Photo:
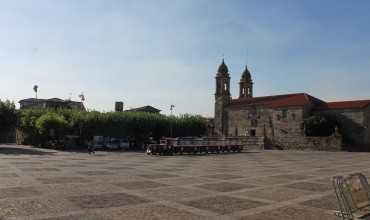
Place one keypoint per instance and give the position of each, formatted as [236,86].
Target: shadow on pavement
[8,150]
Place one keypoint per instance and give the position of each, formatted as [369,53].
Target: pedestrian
[90,149]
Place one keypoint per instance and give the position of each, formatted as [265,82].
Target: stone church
[281,117]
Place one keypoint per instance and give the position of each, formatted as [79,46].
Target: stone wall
[220,119]
[264,122]
[288,123]
[254,143]
[367,126]
[331,143]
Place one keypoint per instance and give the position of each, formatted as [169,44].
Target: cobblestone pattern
[40,184]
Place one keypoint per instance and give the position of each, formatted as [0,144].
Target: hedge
[37,124]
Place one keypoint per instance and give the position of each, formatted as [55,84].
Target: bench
[353,194]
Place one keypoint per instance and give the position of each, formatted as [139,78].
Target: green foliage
[51,124]
[137,126]
[8,116]
[320,125]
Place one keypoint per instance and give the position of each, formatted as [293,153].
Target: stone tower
[223,98]
[246,84]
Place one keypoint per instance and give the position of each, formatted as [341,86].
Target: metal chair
[353,194]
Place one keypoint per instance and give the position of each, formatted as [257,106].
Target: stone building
[279,118]
[50,103]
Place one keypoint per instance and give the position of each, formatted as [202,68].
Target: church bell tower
[222,99]
[246,84]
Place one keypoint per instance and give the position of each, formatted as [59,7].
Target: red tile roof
[278,101]
[348,104]
[297,99]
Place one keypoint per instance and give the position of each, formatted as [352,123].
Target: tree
[320,125]
[51,125]
[8,116]
[35,89]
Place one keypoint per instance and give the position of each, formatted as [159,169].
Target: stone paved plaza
[267,185]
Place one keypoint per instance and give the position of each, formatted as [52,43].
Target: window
[285,113]
[293,116]
[236,131]
[278,117]
[253,132]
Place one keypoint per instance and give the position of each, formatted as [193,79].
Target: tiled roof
[348,104]
[278,101]
[145,108]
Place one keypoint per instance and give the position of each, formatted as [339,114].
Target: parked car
[124,144]
[97,143]
[117,144]
[113,144]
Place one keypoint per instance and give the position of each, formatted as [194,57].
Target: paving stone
[173,193]
[292,176]
[178,187]
[291,213]
[152,212]
[71,189]
[70,165]
[43,169]
[8,175]
[224,186]
[18,192]
[310,186]
[224,204]
[327,202]
[96,173]
[278,194]
[85,216]
[135,185]
[118,168]
[183,180]
[106,200]
[26,163]
[224,176]
[63,180]
[27,207]
[158,175]
[264,181]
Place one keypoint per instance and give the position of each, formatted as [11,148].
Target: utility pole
[171,126]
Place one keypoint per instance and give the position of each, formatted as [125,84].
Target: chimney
[118,107]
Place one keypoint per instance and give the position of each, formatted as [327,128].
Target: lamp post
[171,126]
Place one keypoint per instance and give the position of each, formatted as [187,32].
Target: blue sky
[163,52]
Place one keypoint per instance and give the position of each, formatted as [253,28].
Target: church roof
[246,75]
[222,69]
[348,104]
[278,101]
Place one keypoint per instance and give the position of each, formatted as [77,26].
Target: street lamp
[172,106]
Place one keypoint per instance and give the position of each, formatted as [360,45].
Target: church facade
[279,117]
